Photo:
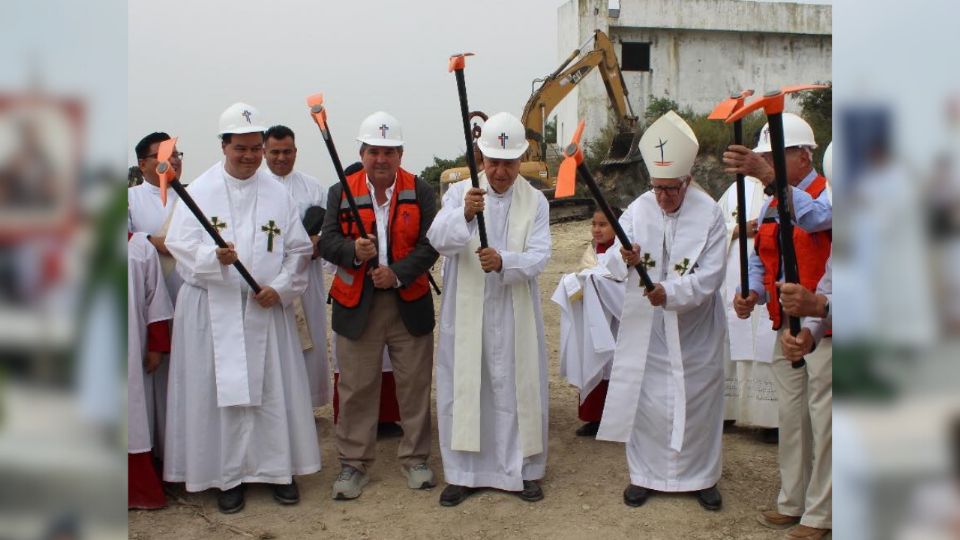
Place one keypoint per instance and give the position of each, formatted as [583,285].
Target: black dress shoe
[453,494]
[710,498]
[231,500]
[286,493]
[588,430]
[635,495]
[770,435]
[389,430]
[532,492]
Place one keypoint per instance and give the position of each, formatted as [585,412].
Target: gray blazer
[418,316]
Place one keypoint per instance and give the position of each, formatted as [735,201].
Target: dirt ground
[583,485]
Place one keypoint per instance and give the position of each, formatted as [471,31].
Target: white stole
[240,334]
[468,344]
[636,323]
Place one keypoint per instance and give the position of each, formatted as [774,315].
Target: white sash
[240,334]
[636,323]
[468,345]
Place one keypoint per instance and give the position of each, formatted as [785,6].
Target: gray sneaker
[349,483]
[419,476]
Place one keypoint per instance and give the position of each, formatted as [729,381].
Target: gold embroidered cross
[271,229]
[217,224]
[648,262]
[682,266]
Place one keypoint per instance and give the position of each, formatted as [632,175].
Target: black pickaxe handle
[165,172]
[456,65]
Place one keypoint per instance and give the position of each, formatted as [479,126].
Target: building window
[635,57]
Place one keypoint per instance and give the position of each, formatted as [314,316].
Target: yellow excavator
[622,161]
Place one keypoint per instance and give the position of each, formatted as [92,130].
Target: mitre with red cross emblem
[669,147]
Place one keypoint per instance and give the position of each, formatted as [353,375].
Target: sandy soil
[583,486]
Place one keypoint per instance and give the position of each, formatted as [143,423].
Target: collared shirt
[811,215]
[819,326]
[382,212]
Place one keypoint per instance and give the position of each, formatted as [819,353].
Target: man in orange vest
[805,395]
[381,297]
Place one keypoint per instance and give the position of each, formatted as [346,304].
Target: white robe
[306,192]
[750,396]
[500,462]
[590,305]
[147,303]
[665,398]
[239,405]
[146,214]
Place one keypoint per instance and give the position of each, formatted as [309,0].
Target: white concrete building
[695,52]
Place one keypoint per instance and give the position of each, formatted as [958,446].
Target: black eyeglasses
[176,155]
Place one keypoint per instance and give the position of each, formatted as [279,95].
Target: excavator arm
[561,82]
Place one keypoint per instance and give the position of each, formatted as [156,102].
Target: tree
[431,173]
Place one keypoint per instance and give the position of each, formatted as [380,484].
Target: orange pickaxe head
[319,114]
[164,168]
[458,61]
[567,175]
[772,102]
[729,106]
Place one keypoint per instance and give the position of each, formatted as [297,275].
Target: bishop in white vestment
[666,388]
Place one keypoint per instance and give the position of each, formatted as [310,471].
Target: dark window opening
[636,57]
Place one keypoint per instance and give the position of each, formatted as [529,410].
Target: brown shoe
[775,520]
[802,532]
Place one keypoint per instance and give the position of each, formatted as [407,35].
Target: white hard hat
[796,132]
[240,118]
[828,162]
[503,137]
[381,129]
[669,147]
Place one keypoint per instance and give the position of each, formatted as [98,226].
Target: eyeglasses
[671,190]
[175,155]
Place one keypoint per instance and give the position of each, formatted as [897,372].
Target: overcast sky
[189,60]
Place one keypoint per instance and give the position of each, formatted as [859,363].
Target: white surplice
[750,396]
[239,404]
[306,192]
[665,398]
[590,305]
[477,400]
[146,214]
[147,302]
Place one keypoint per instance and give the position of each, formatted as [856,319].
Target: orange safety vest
[813,250]
[347,286]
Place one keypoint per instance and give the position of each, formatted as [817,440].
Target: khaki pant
[361,364]
[806,440]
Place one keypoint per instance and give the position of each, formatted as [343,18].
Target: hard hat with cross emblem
[240,118]
[503,137]
[381,129]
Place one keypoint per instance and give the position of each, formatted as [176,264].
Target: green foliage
[659,106]
[817,110]
[431,173]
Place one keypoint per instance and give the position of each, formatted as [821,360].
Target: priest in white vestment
[239,406]
[750,396]
[492,361]
[280,152]
[147,214]
[665,398]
